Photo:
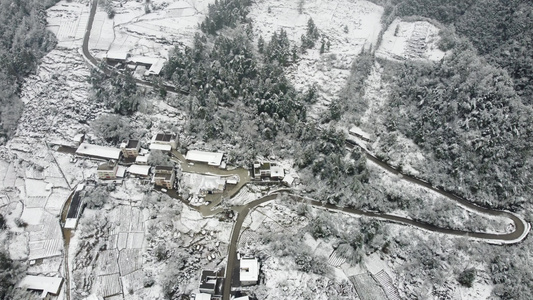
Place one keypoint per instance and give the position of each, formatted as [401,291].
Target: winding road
[521,227]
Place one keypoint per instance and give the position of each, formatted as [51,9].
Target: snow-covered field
[347,25]
[147,30]
[410,40]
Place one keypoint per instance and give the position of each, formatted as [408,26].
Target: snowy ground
[68,21]
[410,40]
[348,25]
[147,30]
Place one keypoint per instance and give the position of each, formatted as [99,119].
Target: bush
[97,197]
[467,277]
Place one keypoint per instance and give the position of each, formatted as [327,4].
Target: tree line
[24,40]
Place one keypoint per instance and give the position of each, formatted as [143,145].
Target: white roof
[42,283]
[288,179]
[98,151]
[242,298]
[202,296]
[121,171]
[119,55]
[211,158]
[143,59]
[249,269]
[139,169]
[160,147]
[276,171]
[142,159]
[358,131]
[157,67]
[71,223]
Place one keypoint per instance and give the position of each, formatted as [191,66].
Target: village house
[116,57]
[268,170]
[164,176]
[210,283]
[210,158]
[142,159]
[130,148]
[141,171]
[98,152]
[107,170]
[48,285]
[249,271]
[164,142]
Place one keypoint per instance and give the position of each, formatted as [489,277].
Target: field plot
[367,288]
[347,25]
[68,21]
[410,40]
[150,34]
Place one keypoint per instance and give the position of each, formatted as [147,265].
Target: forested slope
[23,40]
[501,30]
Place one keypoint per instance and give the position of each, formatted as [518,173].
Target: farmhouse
[249,271]
[139,170]
[210,283]
[142,159]
[98,152]
[107,170]
[211,158]
[268,169]
[49,285]
[358,132]
[130,148]
[114,57]
[163,142]
[202,296]
[164,176]
[156,67]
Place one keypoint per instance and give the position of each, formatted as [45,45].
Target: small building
[163,142]
[268,169]
[48,285]
[211,283]
[130,148]
[164,176]
[202,296]
[242,298]
[249,271]
[99,152]
[107,170]
[141,171]
[288,180]
[142,159]
[211,158]
[114,57]
[156,67]
[78,139]
[358,132]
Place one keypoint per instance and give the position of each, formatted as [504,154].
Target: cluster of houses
[211,282]
[140,65]
[135,160]
[271,171]
[131,154]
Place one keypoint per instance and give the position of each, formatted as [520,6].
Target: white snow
[410,40]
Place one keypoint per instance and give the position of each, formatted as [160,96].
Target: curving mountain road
[521,227]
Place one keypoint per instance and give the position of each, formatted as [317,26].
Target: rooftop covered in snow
[50,285]
[211,158]
[98,151]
